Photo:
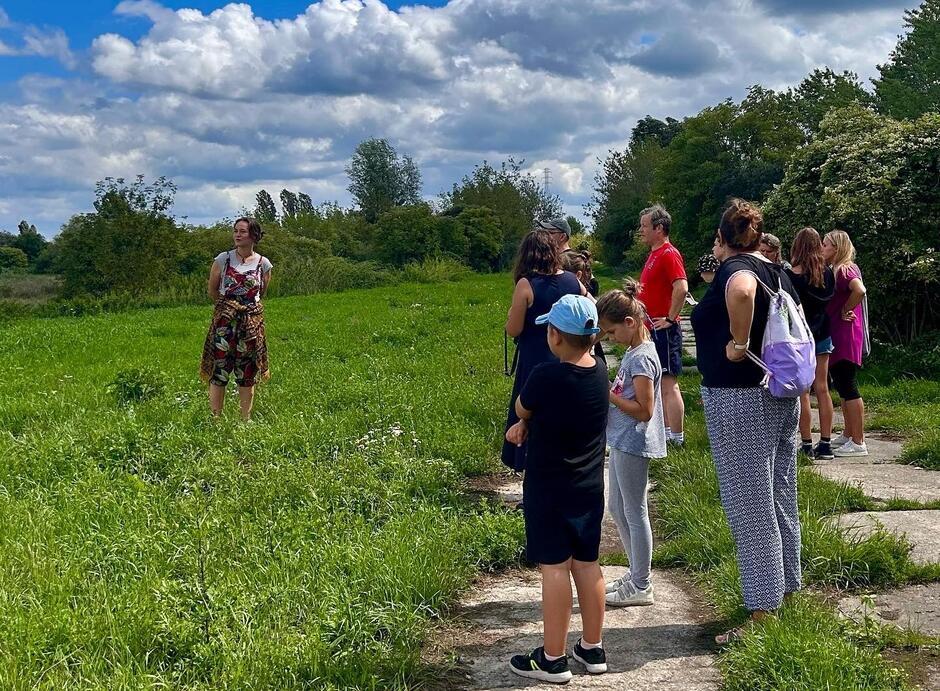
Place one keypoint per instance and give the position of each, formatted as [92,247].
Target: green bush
[13,258]
[136,385]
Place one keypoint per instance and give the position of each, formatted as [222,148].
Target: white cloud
[228,102]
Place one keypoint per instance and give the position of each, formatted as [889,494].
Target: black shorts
[669,348]
[844,380]
[555,533]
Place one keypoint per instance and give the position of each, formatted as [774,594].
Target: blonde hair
[616,305]
[844,257]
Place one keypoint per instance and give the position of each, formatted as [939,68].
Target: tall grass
[807,648]
[144,545]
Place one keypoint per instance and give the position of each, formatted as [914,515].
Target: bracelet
[671,321]
[740,346]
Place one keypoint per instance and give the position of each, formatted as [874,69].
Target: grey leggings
[629,476]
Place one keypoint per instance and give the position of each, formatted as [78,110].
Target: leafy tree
[909,84]
[622,188]
[129,243]
[484,236]
[289,204]
[824,90]
[406,234]
[877,179]
[651,129]
[577,228]
[304,204]
[379,179]
[29,240]
[265,211]
[514,197]
[6,239]
[13,258]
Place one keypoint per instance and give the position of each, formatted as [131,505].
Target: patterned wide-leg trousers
[754,443]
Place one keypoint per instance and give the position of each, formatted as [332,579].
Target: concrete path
[919,527]
[665,646]
[915,607]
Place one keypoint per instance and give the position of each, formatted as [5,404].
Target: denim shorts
[824,347]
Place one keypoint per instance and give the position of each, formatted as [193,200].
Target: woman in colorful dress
[235,346]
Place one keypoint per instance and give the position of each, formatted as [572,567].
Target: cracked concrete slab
[919,527]
[913,607]
[884,480]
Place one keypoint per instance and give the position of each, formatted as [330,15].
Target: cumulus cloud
[229,101]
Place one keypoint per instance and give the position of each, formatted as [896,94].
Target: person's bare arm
[215,277]
[519,432]
[522,297]
[265,282]
[856,295]
[739,299]
[679,289]
[640,408]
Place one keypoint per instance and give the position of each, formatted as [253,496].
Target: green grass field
[143,545]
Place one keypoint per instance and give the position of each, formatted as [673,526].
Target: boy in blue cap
[562,412]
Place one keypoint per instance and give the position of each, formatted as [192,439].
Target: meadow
[144,545]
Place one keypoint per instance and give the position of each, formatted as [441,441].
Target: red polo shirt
[663,268]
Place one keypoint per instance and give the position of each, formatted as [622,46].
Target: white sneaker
[615,584]
[628,595]
[850,448]
[839,441]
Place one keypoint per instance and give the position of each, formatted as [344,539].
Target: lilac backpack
[788,351]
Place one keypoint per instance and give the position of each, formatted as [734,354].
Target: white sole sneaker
[597,668]
[850,450]
[615,584]
[638,598]
[542,675]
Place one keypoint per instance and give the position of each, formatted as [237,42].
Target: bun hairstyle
[742,225]
[254,228]
[616,305]
[573,261]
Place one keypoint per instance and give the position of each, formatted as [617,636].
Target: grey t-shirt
[625,433]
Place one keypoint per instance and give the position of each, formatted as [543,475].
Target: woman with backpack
[848,329]
[752,433]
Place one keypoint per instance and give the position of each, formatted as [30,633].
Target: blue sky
[227,99]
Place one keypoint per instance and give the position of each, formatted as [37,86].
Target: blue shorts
[669,348]
[824,347]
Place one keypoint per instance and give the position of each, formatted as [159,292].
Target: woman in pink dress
[847,329]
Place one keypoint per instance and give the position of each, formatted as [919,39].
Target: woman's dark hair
[537,254]
[573,261]
[741,225]
[254,228]
[806,253]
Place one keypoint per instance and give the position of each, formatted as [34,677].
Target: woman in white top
[235,346]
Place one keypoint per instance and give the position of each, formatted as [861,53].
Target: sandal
[731,635]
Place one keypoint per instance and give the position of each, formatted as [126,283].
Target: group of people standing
[564,413]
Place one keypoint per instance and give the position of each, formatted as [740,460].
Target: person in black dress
[540,282]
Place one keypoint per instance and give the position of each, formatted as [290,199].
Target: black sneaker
[823,451]
[535,666]
[593,658]
[806,448]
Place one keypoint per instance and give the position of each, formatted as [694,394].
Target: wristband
[671,321]
[740,346]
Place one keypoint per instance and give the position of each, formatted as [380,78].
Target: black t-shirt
[712,326]
[814,300]
[567,432]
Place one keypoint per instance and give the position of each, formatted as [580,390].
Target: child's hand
[518,433]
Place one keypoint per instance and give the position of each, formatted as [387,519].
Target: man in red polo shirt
[663,287]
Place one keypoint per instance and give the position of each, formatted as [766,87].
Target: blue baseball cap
[573,314]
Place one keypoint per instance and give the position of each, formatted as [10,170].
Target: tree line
[827,153]
[132,243]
